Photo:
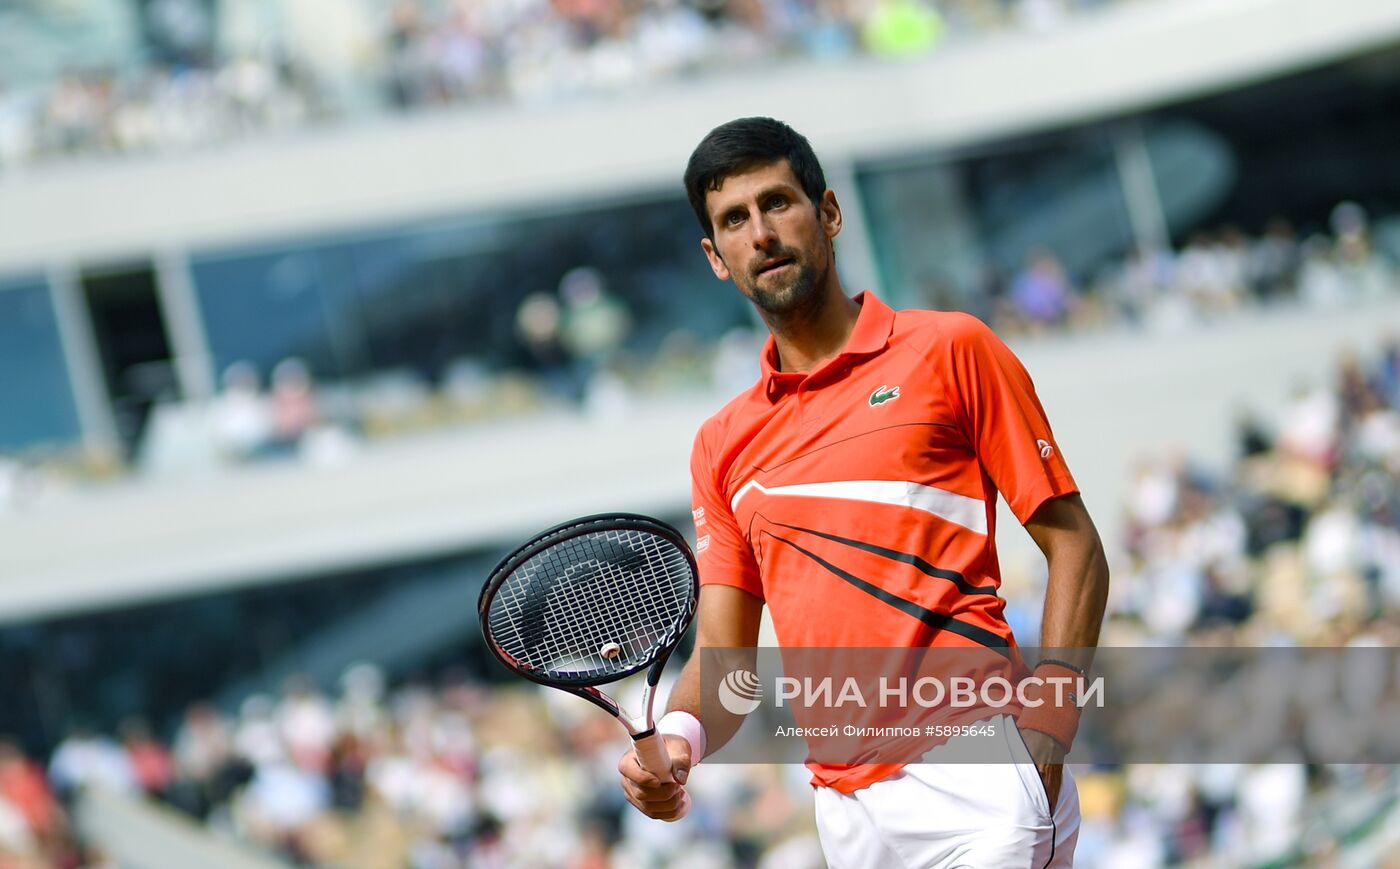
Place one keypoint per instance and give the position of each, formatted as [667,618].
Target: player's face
[771,238]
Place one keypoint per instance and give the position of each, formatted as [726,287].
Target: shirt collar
[871,334]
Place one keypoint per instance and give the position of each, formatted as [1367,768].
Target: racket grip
[651,752]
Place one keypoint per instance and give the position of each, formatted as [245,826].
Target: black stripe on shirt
[937,621]
[895,555]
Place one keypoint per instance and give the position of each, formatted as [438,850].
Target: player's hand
[664,801]
[1047,755]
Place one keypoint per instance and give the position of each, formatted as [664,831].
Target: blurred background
[310,309]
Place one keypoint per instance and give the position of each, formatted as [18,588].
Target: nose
[762,233]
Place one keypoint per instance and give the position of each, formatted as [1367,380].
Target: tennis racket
[590,602]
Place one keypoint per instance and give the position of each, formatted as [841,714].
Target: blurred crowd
[1215,272]
[248,67]
[35,832]
[1298,542]
[450,776]
[463,774]
[1300,538]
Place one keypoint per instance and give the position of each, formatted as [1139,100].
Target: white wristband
[680,723]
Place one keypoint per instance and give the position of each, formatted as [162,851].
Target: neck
[809,337]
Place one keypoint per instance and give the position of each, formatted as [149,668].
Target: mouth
[774,265]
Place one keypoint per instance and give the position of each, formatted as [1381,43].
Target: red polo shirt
[858,500]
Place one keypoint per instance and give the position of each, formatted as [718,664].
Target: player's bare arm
[1075,596]
[728,617]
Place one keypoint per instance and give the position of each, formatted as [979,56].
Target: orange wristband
[1052,708]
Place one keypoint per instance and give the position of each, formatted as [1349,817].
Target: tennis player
[852,490]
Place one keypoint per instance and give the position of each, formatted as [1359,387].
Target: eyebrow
[780,187]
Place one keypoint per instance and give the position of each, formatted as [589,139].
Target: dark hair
[741,145]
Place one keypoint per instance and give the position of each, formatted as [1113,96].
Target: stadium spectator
[1041,296]
[152,765]
[293,403]
[594,324]
[306,724]
[241,414]
[902,28]
[1142,282]
[538,326]
[25,792]
[1210,272]
[208,768]
[1273,262]
[87,759]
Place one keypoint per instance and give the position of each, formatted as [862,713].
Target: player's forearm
[1076,595]
[725,636]
[719,724]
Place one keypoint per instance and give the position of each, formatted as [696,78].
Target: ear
[716,261]
[829,210]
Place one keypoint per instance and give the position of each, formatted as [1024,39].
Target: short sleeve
[1004,419]
[722,553]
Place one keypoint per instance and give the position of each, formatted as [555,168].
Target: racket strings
[616,609]
[592,600]
[598,603]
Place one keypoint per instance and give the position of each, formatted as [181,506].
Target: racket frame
[651,751]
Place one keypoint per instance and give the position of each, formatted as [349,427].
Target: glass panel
[926,244]
[951,232]
[264,307]
[36,399]
[1063,194]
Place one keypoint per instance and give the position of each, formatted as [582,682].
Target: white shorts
[940,815]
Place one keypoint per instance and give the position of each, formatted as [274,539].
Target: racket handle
[651,752]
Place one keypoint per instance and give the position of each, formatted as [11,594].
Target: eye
[777,200]
[733,218]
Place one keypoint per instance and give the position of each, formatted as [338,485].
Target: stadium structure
[394,262]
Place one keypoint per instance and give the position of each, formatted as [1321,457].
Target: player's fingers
[680,811]
[679,750]
[665,803]
[647,794]
[653,796]
[632,770]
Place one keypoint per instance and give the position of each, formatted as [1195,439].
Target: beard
[785,294]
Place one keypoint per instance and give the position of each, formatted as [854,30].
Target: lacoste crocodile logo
[883,394]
